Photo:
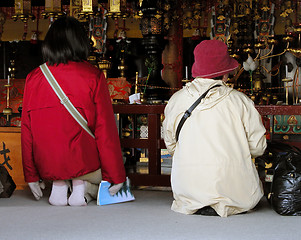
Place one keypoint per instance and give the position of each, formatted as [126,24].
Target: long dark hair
[66,40]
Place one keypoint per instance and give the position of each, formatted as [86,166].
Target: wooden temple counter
[154,143]
[10,139]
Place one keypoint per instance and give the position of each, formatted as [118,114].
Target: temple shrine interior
[145,49]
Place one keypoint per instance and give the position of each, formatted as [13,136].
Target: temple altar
[140,131]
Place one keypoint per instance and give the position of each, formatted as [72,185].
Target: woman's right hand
[115,188]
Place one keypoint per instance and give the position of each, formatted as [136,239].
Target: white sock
[77,197]
[58,196]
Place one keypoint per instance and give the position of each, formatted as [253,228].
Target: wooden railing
[154,143]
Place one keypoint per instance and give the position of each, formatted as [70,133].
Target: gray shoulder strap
[64,99]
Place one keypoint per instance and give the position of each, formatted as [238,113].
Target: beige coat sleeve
[168,130]
[173,113]
[255,131]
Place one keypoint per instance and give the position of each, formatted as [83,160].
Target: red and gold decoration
[99,33]
[287,124]
[119,88]
[220,21]
[264,21]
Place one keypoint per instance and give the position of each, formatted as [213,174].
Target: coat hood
[199,85]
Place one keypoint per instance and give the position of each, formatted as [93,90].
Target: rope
[241,90]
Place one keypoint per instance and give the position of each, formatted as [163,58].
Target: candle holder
[184,81]
[286,81]
[143,98]
[105,66]
[7,111]
[136,82]
[122,68]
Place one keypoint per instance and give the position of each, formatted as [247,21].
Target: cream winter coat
[212,161]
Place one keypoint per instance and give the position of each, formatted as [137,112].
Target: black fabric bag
[7,185]
[284,190]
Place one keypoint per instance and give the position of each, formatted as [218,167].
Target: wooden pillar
[172,56]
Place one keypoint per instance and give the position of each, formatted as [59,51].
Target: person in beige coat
[212,169]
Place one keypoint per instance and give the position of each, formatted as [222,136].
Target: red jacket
[54,145]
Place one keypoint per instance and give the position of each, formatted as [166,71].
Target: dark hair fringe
[66,40]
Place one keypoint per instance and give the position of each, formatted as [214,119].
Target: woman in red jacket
[54,146]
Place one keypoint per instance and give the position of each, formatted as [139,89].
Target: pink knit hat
[211,59]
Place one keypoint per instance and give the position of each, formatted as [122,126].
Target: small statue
[122,45]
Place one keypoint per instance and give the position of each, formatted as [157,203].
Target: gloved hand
[36,189]
[115,188]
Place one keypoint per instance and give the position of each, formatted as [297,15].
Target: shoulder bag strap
[188,112]
[64,99]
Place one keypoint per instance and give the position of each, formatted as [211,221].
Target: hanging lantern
[83,9]
[117,8]
[22,10]
[53,9]
[114,6]
[52,6]
[87,9]
[22,7]
[75,8]
[87,6]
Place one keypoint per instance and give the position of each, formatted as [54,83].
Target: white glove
[36,189]
[115,188]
